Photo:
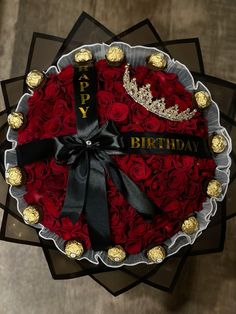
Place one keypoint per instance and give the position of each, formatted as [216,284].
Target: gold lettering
[167,143]
[188,146]
[195,146]
[135,142]
[84,112]
[83,85]
[151,142]
[160,143]
[83,68]
[83,77]
[84,98]
[143,142]
[179,144]
[170,143]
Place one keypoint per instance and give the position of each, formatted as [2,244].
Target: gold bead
[74,249]
[214,188]
[218,143]
[115,55]
[203,99]
[157,61]
[116,254]
[16,120]
[31,215]
[14,176]
[83,55]
[157,254]
[190,225]
[34,79]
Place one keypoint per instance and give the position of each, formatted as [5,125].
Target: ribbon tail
[135,197]
[75,198]
[96,210]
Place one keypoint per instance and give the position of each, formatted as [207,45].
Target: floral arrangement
[175,182]
[159,151]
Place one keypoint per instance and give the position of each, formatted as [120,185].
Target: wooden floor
[208,283]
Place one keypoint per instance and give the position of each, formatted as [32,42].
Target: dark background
[208,283]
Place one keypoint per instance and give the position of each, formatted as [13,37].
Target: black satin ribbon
[165,143]
[85,125]
[89,160]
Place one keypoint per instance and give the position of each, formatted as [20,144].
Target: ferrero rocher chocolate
[16,120]
[115,56]
[83,55]
[218,143]
[202,99]
[14,176]
[157,61]
[73,249]
[157,254]
[214,188]
[190,225]
[116,254]
[34,79]
[31,215]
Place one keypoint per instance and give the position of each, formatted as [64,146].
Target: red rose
[133,246]
[139,113]
[156,185]
[141,73]
[53,127]
[35,98]
[138,229]
[52,90]
[104,99]
[138,169]
[118,112]
[154,124]
[65,77]
[177,180]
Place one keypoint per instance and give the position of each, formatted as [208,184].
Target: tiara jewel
[143,96]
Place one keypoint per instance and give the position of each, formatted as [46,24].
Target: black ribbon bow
[89,160]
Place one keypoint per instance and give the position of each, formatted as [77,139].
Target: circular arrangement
[142,91]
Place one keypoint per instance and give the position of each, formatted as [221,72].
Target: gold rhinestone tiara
[144,97]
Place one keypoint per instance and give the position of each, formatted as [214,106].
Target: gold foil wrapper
[116,254]
[157,61]
[83,55]
[15,120]
[203,99]
[214,188]
[157,254]
[218,143]
[31,215]
[190,225]
[115,55]
[14,176]
[74,249]
[34,79]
